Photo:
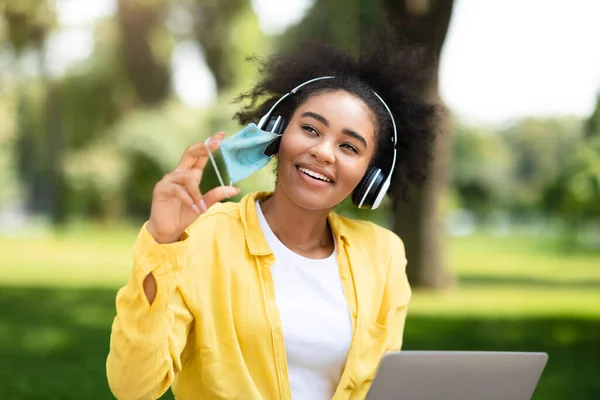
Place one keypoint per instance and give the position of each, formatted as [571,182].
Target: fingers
[190,180]
[180,193]
[183,186]
[196,155]
[220,193]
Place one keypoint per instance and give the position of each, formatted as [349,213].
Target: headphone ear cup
[368,188]
[276,125]
[273,147]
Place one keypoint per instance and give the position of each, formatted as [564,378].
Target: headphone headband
[265,117]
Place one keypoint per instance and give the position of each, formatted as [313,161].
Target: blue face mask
[244,153]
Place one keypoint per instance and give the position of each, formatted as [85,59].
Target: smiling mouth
[314,175]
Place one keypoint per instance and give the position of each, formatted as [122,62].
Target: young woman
[277,296]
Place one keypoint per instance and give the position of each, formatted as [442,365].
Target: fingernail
[202,205]
[196,209]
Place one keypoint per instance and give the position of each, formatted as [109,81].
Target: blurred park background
[99,98]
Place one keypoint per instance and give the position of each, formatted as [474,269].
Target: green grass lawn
[514,294]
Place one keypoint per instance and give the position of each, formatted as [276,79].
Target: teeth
[314,174]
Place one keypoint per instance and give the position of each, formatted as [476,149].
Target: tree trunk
[149,76]
[56,146]
[211,30]
[418,223]
[29,160]
[49,197]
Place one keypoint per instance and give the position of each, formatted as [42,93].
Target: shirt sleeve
[399,288]
[147,340]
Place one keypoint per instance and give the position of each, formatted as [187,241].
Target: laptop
[457,375]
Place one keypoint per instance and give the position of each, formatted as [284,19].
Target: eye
[350,147]
[310,129]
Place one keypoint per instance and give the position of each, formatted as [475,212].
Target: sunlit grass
[80,257]
[522,257]
[497,275]
[512,301]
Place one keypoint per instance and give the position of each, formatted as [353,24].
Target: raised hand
[176,199]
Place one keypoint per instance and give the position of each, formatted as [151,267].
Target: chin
[311,199]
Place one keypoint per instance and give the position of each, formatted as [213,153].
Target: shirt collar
[257,243]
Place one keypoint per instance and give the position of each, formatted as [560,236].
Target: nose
[323,152]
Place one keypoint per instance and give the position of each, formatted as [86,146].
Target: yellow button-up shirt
[213,330]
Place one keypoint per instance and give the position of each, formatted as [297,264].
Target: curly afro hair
[396,73]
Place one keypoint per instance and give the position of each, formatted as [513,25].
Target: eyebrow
[345,131]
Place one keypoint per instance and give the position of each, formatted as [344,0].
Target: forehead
[342,110]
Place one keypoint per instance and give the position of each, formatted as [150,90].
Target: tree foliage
[574,194]
[26,23]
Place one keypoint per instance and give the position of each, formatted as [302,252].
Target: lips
[316,173]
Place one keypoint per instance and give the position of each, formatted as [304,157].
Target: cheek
[352,172]
[291,145]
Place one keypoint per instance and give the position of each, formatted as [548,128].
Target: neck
[303,231]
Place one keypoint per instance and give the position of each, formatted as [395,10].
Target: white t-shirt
[317,328]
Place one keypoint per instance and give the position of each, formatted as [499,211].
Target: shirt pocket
[374,337]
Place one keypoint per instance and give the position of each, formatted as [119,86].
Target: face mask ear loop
[214,163]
